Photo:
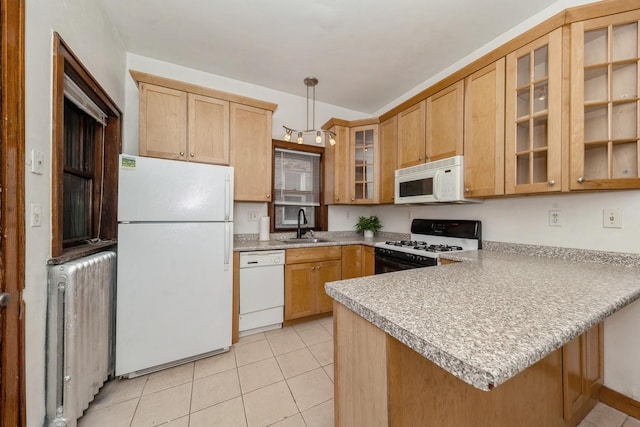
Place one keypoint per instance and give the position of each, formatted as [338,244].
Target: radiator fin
[79,334]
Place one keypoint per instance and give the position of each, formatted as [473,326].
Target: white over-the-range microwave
[441,181]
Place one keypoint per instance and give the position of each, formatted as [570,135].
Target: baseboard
[620,402]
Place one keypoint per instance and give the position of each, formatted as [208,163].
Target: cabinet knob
[552,182]
[581,180]
[420,158]
[191,154]
[182,153]
[268,196]
[466,190]
[352,199]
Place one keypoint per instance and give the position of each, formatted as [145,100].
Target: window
[296,185]
[86,142]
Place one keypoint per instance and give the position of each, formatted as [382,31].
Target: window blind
[296,178]
[76,95]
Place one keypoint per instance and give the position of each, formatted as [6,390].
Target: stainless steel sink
[305,240]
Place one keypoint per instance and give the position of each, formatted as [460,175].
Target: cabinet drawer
[295,256]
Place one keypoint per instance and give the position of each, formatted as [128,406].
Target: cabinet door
[411,135]
[327,271]
[484,132]
[163,122]
[337,189]
[251,153]
[388,159]
[208,129]
[445,122]
[572,380]
[605,102]
[351,261]
[299,290]
[594,361]
[533,116]
[368,261]
[364,164]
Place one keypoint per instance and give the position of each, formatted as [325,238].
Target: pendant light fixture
[311,83]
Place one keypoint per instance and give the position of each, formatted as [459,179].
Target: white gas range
[429,239]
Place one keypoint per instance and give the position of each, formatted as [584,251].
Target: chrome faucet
[299,232]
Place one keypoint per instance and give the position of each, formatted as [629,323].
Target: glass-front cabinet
[533,116]
[605,102]
[364,169]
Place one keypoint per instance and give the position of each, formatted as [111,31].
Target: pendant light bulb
[332,141]
[300,140]
[287,135]
[318,138]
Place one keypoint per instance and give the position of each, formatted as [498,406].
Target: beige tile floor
[281,378]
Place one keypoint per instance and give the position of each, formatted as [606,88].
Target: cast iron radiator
[80,327]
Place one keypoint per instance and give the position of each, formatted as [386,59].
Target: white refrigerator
[174,280]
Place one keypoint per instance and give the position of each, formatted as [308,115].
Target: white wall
[90,35]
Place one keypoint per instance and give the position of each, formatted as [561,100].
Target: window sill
[83,250]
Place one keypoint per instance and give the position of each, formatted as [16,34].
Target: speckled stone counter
[494,314]
[250,242]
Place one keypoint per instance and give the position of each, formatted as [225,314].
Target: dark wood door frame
[12,223]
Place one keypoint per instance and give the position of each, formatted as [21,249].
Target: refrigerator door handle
[227,197]
[228,236]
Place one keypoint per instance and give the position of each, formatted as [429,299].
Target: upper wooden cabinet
[178,125]
[412,135]
[445,123]
[336,168]
[183,121]
[251,154]
[533,116]
[388,159]
[484,131]
[162,122]
[364,164]
[208,129]
[352,165]
[605,102]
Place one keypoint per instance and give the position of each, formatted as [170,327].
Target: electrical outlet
[555,218]
[253,216]
[612,218]
[37,162]
[36,215]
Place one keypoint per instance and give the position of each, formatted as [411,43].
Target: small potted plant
[368,225]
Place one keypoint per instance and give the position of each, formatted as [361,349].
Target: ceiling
[365,53]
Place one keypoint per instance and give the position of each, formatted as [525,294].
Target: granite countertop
[494,314]
[250,242]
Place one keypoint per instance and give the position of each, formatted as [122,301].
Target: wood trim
[620,402]
[65,62]
[141,77]
[350,123]
[12,222]
[599,9]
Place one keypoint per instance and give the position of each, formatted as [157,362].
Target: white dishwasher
[261,291]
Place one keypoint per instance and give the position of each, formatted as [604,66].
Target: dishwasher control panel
[261,258]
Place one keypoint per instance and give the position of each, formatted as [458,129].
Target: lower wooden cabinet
[305,273]
[582,376]
[351,261]
[368,261]
[382,382]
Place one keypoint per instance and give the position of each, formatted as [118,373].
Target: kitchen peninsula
[499,339]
